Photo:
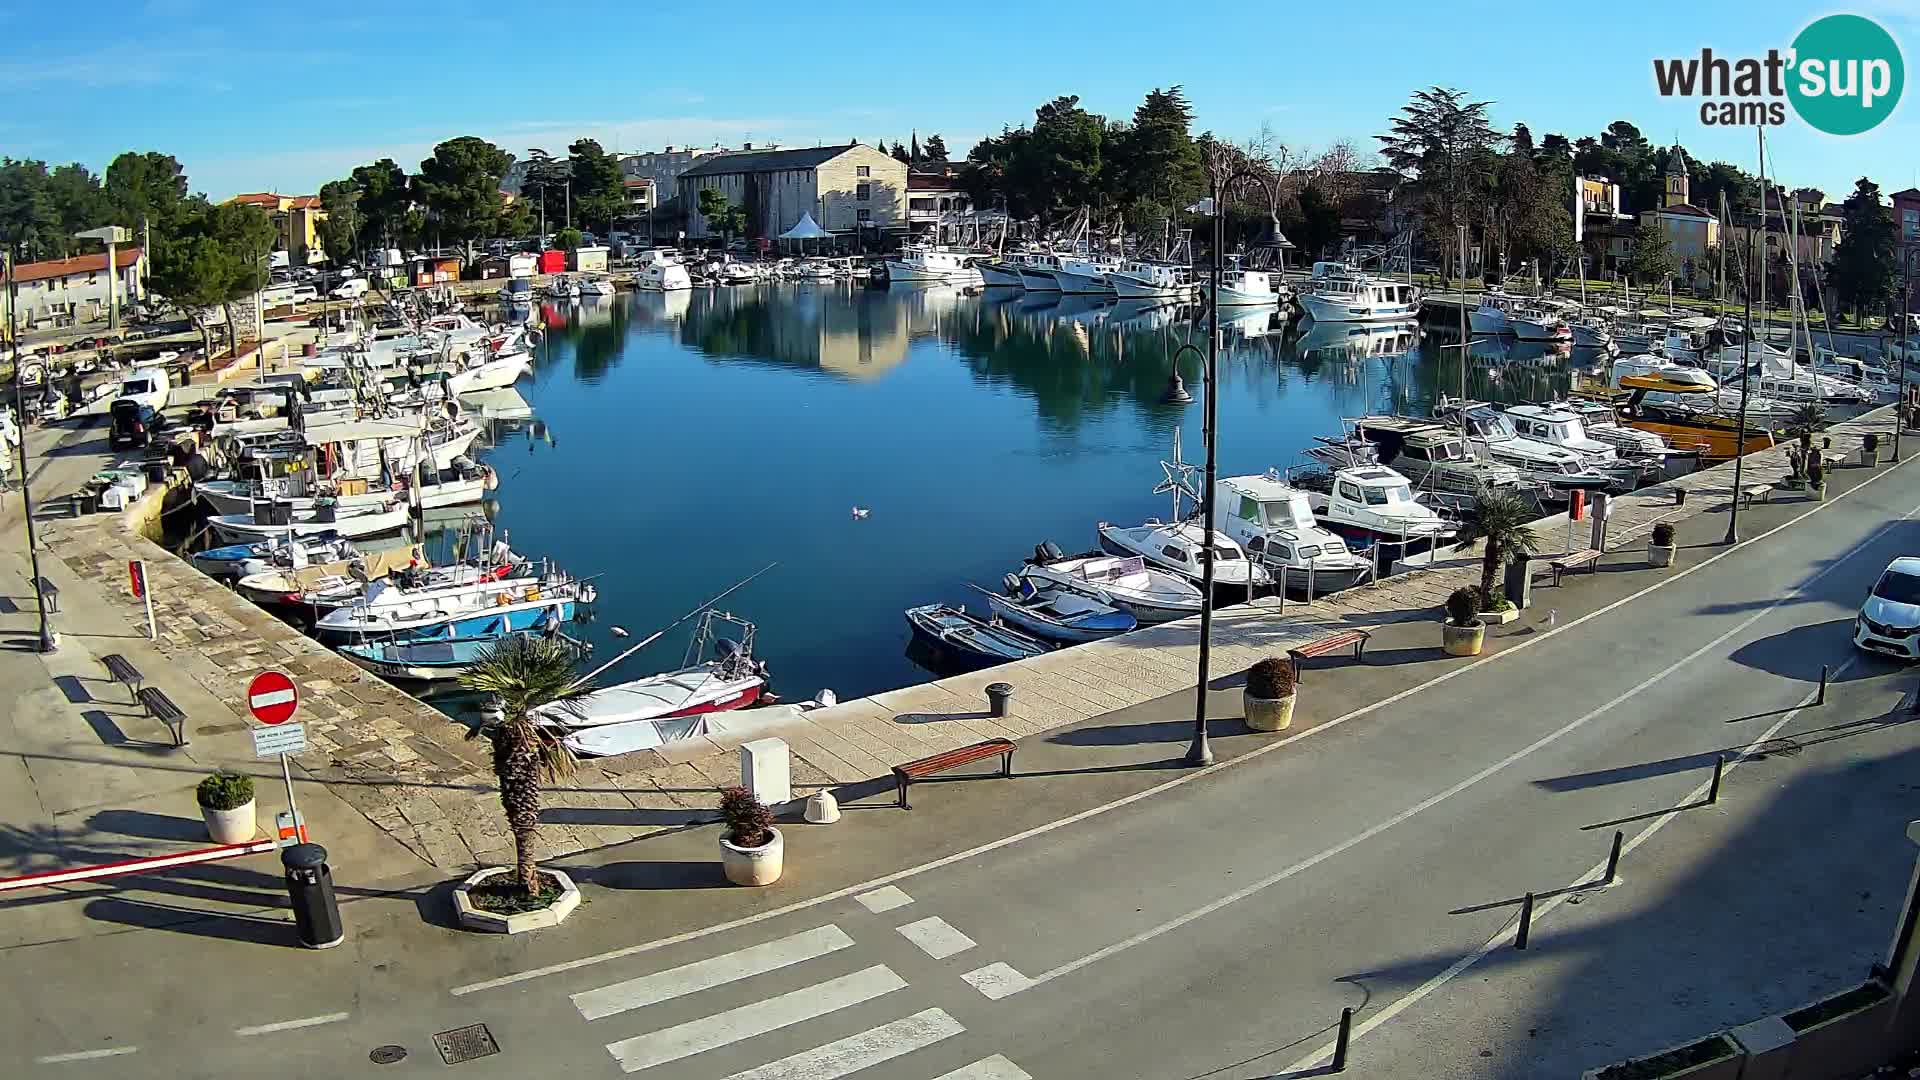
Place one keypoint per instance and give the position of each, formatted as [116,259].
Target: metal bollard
[1526,922]
[1613,858]
[1340,1044]
[310,890]
[1821,697]
[999,695]
[1719,766]
[1679,496]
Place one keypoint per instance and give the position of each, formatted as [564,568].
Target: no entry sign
[272,697]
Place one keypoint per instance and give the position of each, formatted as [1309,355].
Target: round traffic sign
[272,697]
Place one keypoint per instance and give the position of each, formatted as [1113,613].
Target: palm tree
[524,673]
[1501,519]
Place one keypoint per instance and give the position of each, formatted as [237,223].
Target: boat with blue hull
[388,612]
[428,659]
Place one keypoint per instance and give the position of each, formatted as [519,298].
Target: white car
[1889,621]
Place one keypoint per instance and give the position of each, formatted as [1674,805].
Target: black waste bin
[310,888]
[998,696]
[1519,583]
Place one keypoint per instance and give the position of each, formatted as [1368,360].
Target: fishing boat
[1057,614]
[920,262]
[717,674]
[1377,504]
[563,287]
[1126,582]
[969,639]
[233,561]
[1036,273]
[1494,438]
[1275,523]
[1138,279]
[1358,297]
[464,483]
[661,271]
[495,372]
[1242,288]
[1180,547]
[391,611]
[1080,275]
[324,516]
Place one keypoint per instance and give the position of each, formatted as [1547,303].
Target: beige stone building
[850,190]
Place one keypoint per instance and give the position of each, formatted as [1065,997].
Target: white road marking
[272,697]
[876,884]
[705,974]
[884,899]
[85,1055]
[993,1068]
[758,1018]
[936,937]
[997,980]
[1505,936]
[289,1025]
[855,1052]
[1434,800]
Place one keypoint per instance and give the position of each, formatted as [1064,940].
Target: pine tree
[1863,265]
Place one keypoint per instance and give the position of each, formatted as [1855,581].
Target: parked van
[350,289]
[149,386]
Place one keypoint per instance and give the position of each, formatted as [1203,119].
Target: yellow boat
[1716,435]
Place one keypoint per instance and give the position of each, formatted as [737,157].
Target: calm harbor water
[685,441]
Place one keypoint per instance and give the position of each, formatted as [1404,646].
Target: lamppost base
[50,642]
[1200,754]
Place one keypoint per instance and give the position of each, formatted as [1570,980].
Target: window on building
[863,192]
[864,215]
[863,170]
[1910,223]
[920,204]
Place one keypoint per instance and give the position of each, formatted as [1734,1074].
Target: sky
[278,96]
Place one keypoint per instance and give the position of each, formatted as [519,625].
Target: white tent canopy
[806,229]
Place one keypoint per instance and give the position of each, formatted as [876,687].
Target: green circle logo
[1847,74]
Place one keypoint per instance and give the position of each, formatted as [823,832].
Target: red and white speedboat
[667,707]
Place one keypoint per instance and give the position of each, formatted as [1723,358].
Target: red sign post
[137,578]
[272,697]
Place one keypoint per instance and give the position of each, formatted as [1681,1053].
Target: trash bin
[310,889]
[1519,583]
[999,697]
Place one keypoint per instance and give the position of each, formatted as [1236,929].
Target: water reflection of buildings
[856,335]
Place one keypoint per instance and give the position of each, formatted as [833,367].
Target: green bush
[749,822]
[1463,606]
[225,791]
[1271,679]
[1663,535]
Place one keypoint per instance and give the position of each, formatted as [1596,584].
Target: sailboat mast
[1762,132]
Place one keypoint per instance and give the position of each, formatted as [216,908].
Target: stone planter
[1661,554]
[1820,493]
[1722,1061]
[235,826]
[1846,1043]
[1268,714]
[753,866]
[1463,640]
[1500,618]
[473,918]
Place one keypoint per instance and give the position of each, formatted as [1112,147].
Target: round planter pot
[235,826]
[1463,640]
[1660,554]
[753,866]
[1268,714]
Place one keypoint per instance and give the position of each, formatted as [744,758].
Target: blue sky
[273,95]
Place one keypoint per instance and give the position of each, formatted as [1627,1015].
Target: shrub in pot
[751,849]
[1463,632]
[226,805]
[1660,547]
[1269,695]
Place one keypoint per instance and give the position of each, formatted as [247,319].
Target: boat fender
[826,699]
[492,477]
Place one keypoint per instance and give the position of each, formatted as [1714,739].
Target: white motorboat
[731,678]
[464,483]
[1181,548]
[1153,596]
[1494,438]
[1357,297]
[1601,424]
[1141,280]
[660,270]
[492,606]
[1430,454]
[1565,429]
[1079,275]
[1062,615]
[596,285]
[1504,313]
[238,560]
[733,273]
[562,287]
[1377,503]
[1274,522]
[491,373]
[927,263]
[1243,288]
[1036,273]
[322,517]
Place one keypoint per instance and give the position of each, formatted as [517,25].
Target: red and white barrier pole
[137,866]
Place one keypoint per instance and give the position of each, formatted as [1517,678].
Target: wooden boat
[1057,614]
[1715,434]
[964,636]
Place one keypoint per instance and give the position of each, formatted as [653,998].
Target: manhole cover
[387,1055]
[465,1043]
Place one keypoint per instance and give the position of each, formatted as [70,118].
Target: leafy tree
[215,256]
[722,216]
[567,239]
[1651,259]
[1553,145]
[935,149]
[41,208]
[1522,140]
[460,187]
[599,191]
[1447,143]
[1862,267]
[149,187]
[1318,225]
[525,674]
[1721,178]
[340,230]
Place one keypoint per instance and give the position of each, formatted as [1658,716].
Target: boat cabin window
[1309,551]
[1249,509]
[1288,512]
[1174,553]
[1415,453]
[1350,491]
[1376,496]
[1451,450]
[1223,553]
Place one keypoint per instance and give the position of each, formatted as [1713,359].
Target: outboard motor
[1050,552]
[1012,582]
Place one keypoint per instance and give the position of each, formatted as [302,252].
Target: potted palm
[226,805]
[1660,547]
[751,849]
[1463,632]
[1269,695]
[1500,519]
[522,675]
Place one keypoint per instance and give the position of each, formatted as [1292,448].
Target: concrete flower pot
[1660,554]
[235,826]
[753,866]
[1463,640]
[1501,617]
[475,918]
[1268,714]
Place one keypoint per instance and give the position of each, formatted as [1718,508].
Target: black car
[134,423]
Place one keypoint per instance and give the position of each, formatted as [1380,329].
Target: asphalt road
[1148,922]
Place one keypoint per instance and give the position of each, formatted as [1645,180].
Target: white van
[350,289]
[148,385]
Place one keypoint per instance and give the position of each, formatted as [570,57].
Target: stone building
[850,190]
[1693,234]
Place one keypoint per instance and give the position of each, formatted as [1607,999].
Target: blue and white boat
[389,612]
[1057,614]
[428,659]
[235,561]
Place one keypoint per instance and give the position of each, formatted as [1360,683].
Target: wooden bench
[952,759]
[49,596]
[120,670]
[161,708]
[1331,643]
[1763,492]
[1589,558]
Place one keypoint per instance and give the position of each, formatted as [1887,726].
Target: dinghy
[1126,582]
[238,560]
[264,523]
[969,638]
[1057,614]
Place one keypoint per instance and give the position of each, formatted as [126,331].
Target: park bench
[120,670]
[953,759]
[161,708]
[1589,558]
[1331,643]
[1763,492]
[49,596]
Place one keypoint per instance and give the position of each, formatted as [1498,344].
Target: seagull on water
[860,512]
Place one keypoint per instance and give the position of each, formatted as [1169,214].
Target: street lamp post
[1906,302]
[1740,425]
[47,642]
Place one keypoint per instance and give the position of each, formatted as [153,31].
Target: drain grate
[465,1043]
[387,1055]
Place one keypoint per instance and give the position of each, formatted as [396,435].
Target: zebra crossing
[783,961]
